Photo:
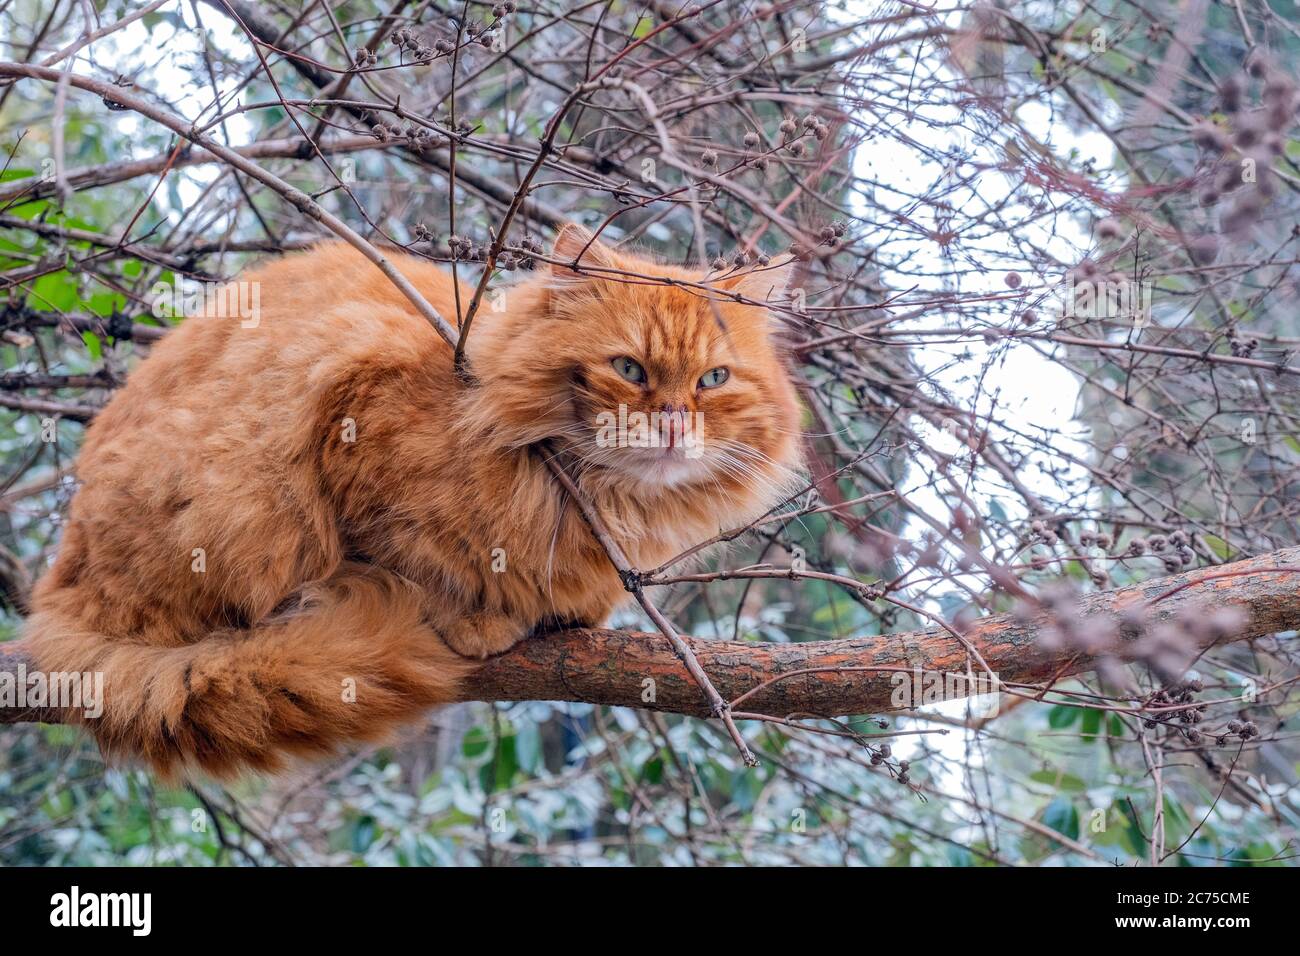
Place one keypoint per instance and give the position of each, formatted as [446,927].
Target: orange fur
[367,566]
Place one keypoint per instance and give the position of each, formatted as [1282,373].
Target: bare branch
[832,678]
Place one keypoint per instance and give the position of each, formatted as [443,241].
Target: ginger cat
[300,534]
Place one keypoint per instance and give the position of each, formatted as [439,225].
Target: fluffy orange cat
[302,532]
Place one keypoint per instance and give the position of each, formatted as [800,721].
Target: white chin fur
[660,470]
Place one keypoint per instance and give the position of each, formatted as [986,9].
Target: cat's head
[651,375]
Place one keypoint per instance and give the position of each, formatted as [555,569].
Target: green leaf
[29,210]
[528,747]
[1062,817]
[1059,779]
[1218,545]
[652,771]
[1120,832]
[1176,819]
[103,303]
[57,291]
[1060,716]
[475,742]
[363,834]
[497,773]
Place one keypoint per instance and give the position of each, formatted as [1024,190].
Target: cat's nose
[673,424]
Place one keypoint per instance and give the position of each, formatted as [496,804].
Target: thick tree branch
[852,676]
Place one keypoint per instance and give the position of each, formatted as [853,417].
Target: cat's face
[659,386]
[668,390]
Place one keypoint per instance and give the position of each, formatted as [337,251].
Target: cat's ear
[577,244]
[769,283]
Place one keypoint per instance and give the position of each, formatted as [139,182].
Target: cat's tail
[349,661]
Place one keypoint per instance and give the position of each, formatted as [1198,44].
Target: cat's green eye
[714,377]
[630,369]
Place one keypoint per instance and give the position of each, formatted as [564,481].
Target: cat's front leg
[552,624]
[483,633]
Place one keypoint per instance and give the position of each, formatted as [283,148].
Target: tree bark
[853,676]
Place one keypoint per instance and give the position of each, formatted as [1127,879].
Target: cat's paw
[483,634]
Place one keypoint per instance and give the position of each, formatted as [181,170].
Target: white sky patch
[170,61]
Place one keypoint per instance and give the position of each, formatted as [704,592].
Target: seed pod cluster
[1241,153]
